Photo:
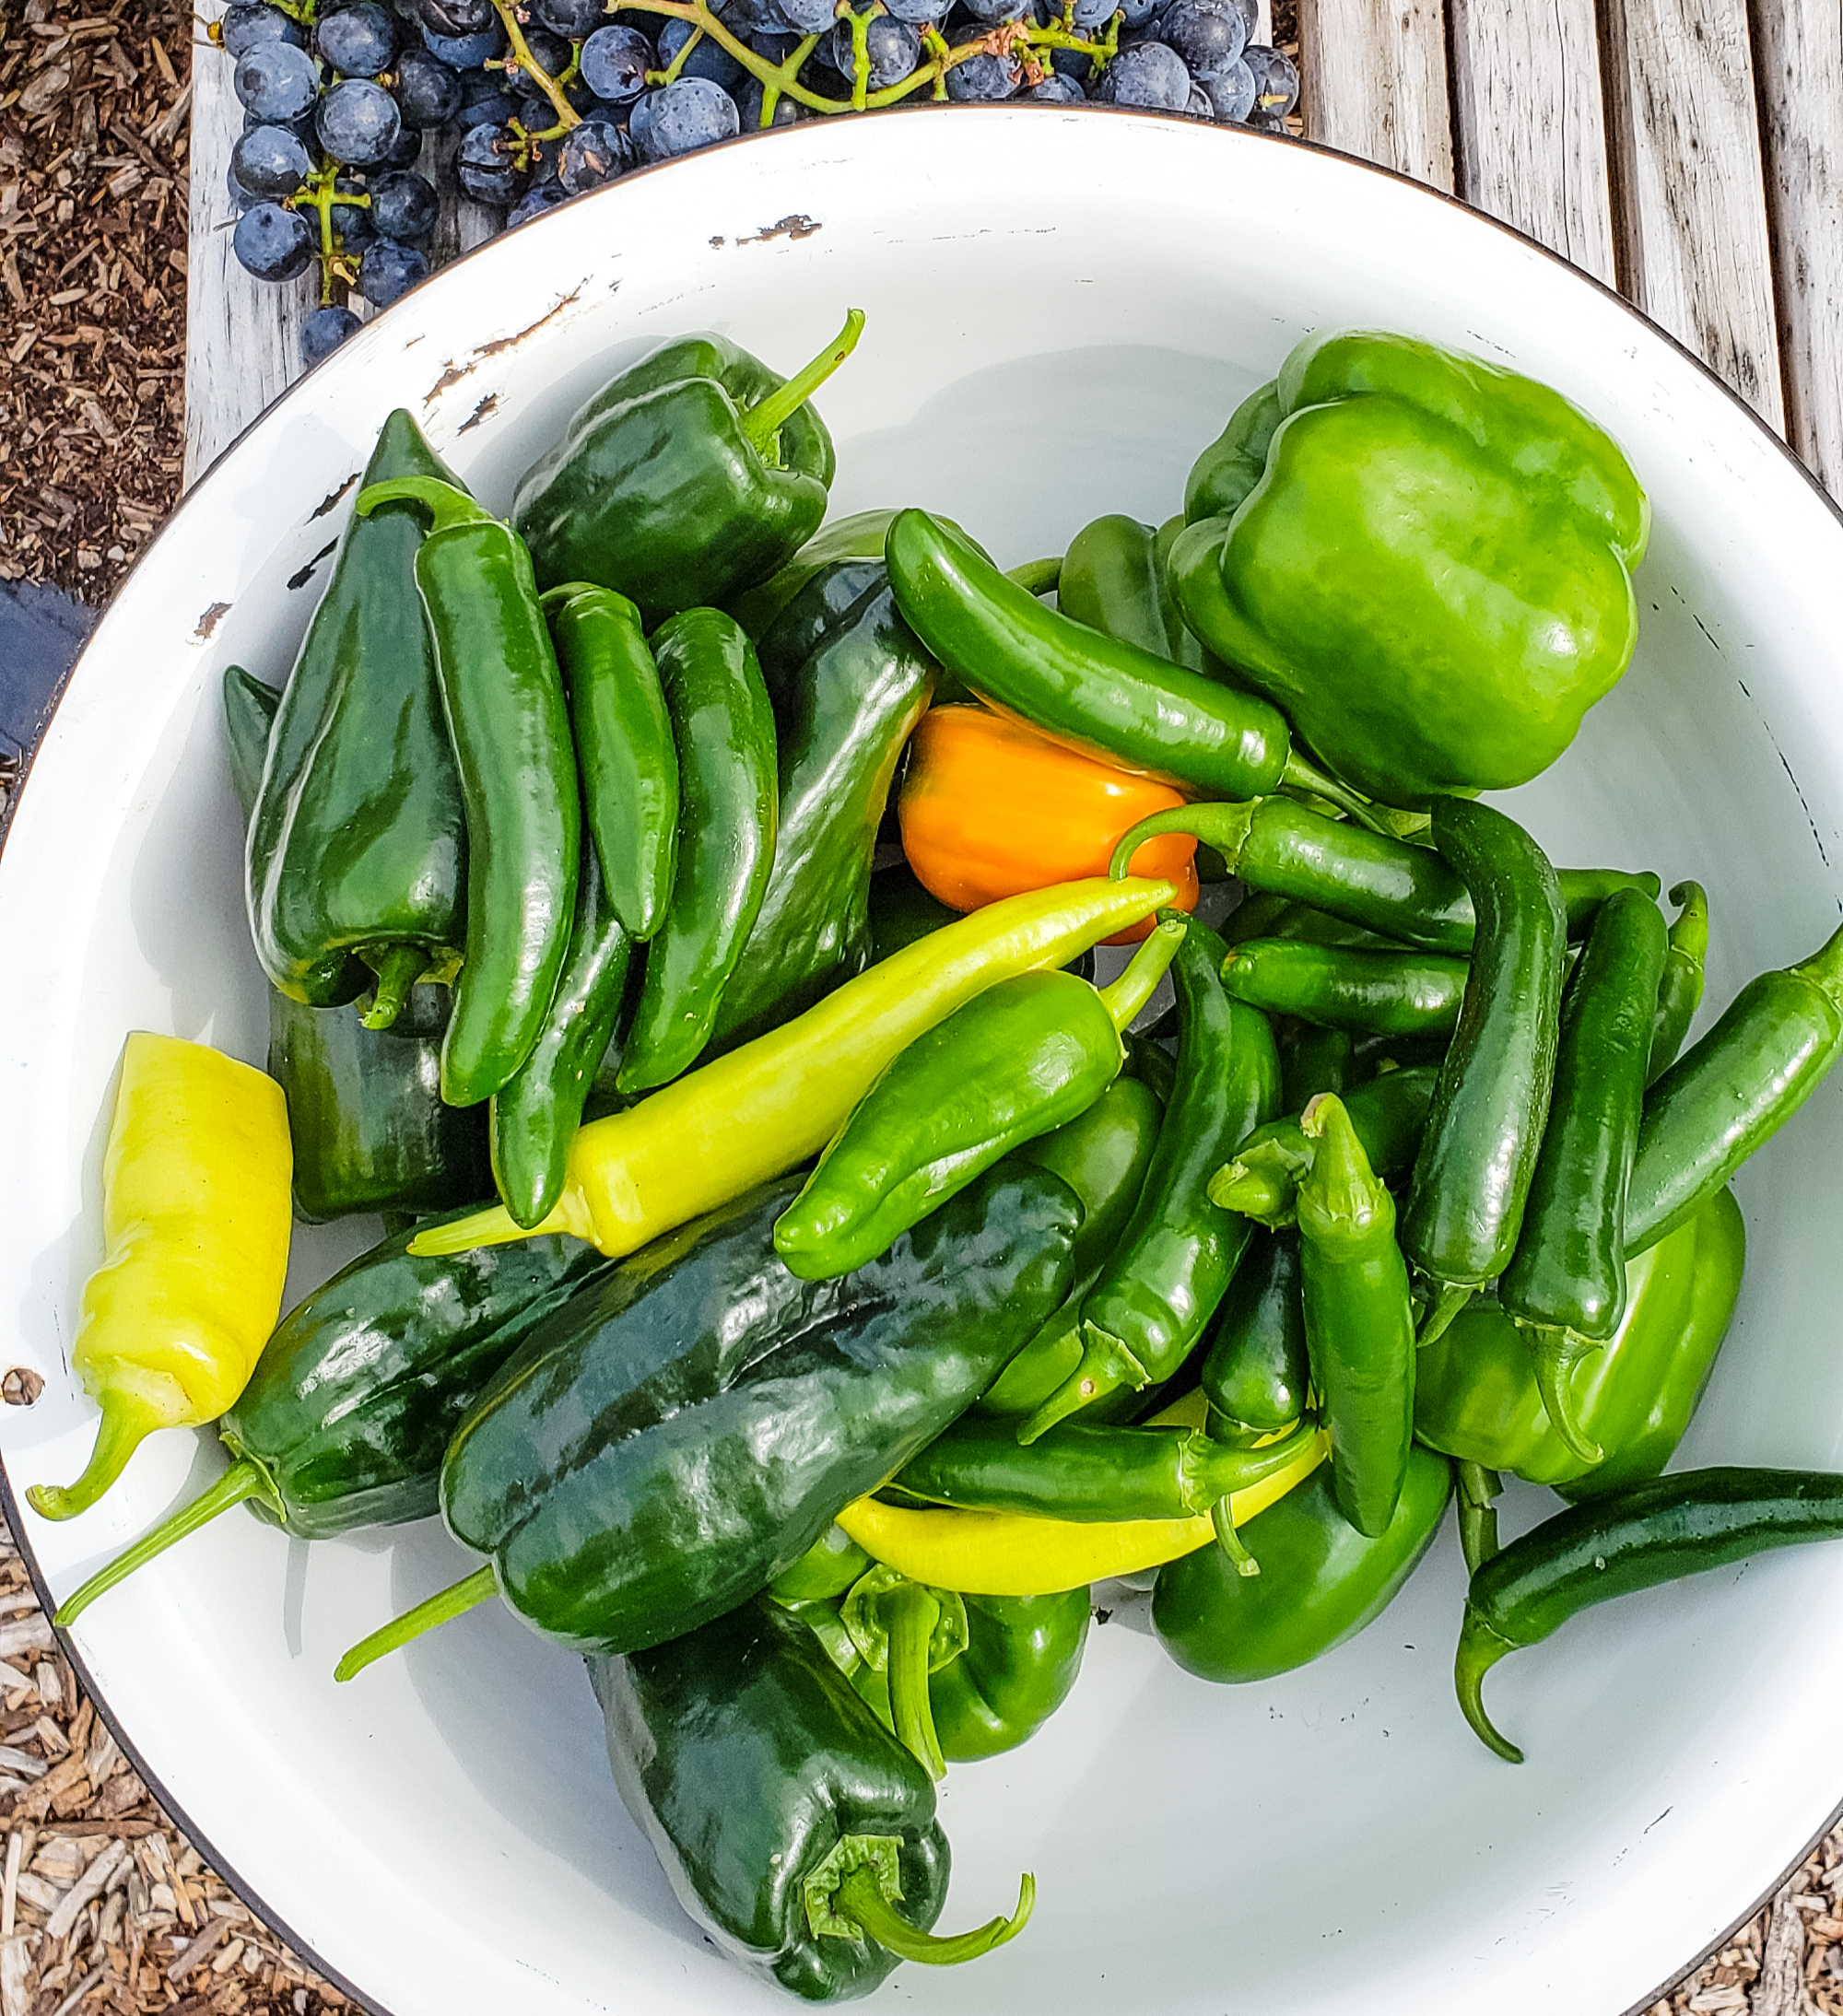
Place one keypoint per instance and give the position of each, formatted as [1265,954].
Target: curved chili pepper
[1359,1321]
[1026,1055]
[1565,1282]
[828,1568]
[1256,1372]
[724,727]
[1734,1090]
[1368,879]
[1680,990]
[1148,1310]
[624,747]
[536,1112]
[1484,1127]
[1113,579]
[1348,987]
[1109,699]
[1638,1538]
[1389,1114]
[503,698]
[1478,1490]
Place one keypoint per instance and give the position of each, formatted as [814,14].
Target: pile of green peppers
[1413,1187]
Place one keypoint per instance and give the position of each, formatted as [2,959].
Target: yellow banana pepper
[195,1221]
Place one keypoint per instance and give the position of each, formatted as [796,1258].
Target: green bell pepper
[356,857]
[1476,1395]
[1424,559]
[692,475]
[1320,1580]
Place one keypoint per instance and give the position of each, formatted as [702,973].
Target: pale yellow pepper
[195,1222]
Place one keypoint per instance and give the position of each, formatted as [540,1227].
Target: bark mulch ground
[103,1903]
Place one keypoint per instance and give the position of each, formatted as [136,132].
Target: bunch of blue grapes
[549,98]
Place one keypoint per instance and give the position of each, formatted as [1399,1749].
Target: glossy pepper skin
[1348,987]
[1680,990]
[1320,1580]
[1153,1298]
[1477,1398]
[625,752]
[195,1243]
[1726,1096]
[368,1125]
[989,807]
[685,480]
[746,1759]
[1359,1321]
[1114,580]
[723,727]
[536,1112]
[1637,1539]
[1092,693]
[1424,559]
[670,1441]
[847,681]
[344,1420]
[764,1107]
[1256,1371]
[357,840]
[1491,1099]
[502,697]
[1019,1060]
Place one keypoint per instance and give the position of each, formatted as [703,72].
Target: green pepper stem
[1554,1354]
[1480,1648]
[1222,1518]
[1221,823]
[1689,934]
[125,1424]
[1340,1199]
[1301,775]
[1039,577]
[457,1598]
[1261,1183]
[1126,996]
[1478,1487]
[242,1480]
[1823,970]
[1107,1365]
[1450,1297]
[862,1898]
[398,971]
[448,507]
[911,1613]
[761,422]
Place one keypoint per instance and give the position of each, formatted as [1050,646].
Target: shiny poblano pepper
[792,1825]
[693,475]
[356,854]
[1482,532]
[502,697]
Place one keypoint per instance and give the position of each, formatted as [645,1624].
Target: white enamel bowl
[1062,308]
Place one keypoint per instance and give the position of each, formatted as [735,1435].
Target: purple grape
[273,243]
[429,92]
[710,59]
[536,200]
[403,208]
[269,161]
[465,52]
[358,123]
[277,81]
[1232,93]
[984,77]
[748,107]
[1207,35]
[352,220]
[689,114]
[485,101]
[388,270]
[323,332]
[615,64]
[358,40]
[486,168]
[454,19]
[1055,89]
[591,154]
[894,48]
[575,20]
[248,23]
[1276,79]
[1150,75]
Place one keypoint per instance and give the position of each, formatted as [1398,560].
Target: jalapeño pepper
[1256,1371]
[503,699]
[1348,987]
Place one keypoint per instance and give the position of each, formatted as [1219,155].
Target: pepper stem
[1261,1183]
[1823,970]
[1450,1298]
[1107,1365]
[1480,1648]
[1139,981]
[861,1897]
[125,1424]
[447,506]
[1339,1197]
[1223,825]
[1556,1353]
[242,1480]
[1222,1518]
[761,422]
[912,1613]
[1301,774]
[457,1598]
[1478,1487]
[1038,576]
[398,971]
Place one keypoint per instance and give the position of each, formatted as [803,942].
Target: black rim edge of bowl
[1237,136]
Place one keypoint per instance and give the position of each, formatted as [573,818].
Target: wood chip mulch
[93,132]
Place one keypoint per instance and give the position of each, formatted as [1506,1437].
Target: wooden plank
[1529,127]
[1376,83]
[243,335]
[1798,52]
[1694,252]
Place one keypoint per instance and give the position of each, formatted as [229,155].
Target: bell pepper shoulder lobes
[1481,531]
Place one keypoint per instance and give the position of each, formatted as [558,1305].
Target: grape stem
[318,193]
[522,59]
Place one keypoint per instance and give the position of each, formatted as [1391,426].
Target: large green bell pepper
[1423,558]
[1475,1392]
[692,475]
